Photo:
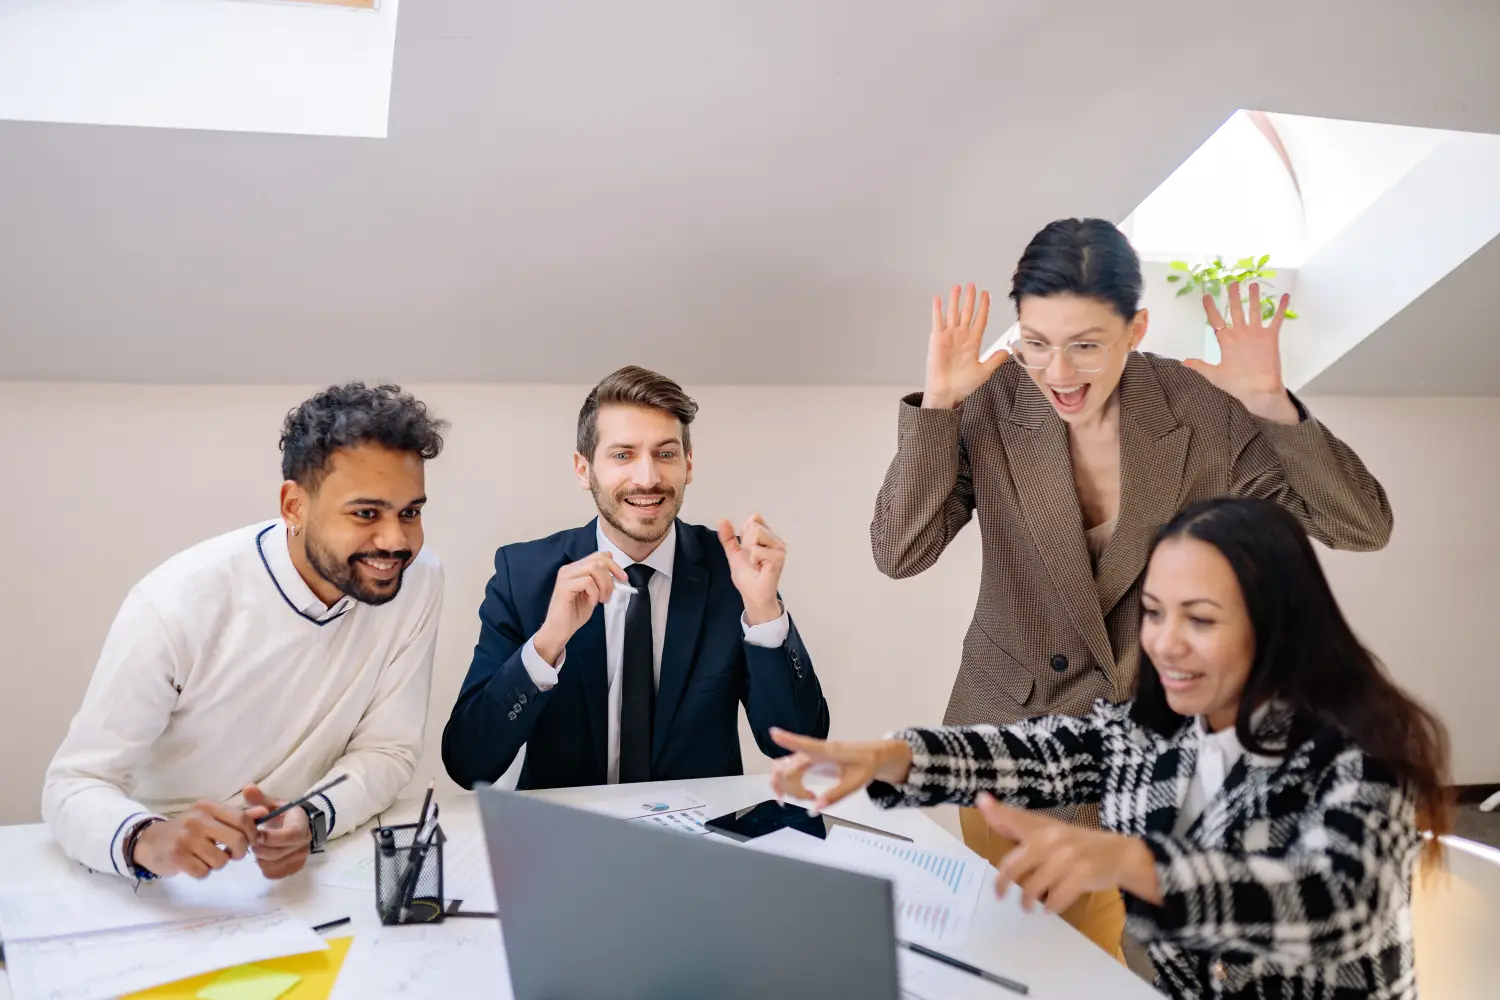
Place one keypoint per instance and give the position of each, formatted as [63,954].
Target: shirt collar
[273,545]
[661,559]
[1228,738]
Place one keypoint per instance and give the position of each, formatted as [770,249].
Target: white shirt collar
[1227,738]
[278,557]
[662,558]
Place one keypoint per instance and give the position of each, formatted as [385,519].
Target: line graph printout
[104,965]
[84,904]
[442,960]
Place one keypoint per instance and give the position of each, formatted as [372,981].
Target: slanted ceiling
[732,192]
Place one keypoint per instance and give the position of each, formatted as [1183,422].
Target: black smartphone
[770,816]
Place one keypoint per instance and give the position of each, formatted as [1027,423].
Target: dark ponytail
[1085,257]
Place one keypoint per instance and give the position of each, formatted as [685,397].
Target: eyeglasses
[1084,356]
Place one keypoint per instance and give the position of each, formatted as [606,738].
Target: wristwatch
[317,820]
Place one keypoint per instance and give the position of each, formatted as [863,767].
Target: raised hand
[856,764]
[1054,863]
[953,366]
[1249,367]
[756,560]
[581,587]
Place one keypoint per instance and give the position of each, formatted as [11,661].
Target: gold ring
[1220,329]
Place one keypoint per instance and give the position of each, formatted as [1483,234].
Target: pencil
[297,803]
[972,970]
[426,801]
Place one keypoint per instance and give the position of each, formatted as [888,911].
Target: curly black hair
[343,416]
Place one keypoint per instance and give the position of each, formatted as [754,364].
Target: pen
[426,801]
[416,853]
[972,970]
[320,928]
[298,803]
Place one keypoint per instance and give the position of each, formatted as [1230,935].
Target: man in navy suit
[621,651]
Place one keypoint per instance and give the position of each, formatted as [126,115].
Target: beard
[344,573]
[613,509]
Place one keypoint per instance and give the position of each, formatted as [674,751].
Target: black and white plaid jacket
[1295,882]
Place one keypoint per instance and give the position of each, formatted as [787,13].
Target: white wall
[1344,166]
[1437,215]
[198,64]
[104,482]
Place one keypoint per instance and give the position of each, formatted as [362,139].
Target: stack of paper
[92,938]
[935,892]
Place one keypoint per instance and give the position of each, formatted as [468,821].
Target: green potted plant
[1214,279]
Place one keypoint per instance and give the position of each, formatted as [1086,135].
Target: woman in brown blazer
[1073,454]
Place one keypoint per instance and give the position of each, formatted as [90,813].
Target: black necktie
[637,681]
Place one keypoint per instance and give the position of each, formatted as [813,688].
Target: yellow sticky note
[249,982]
[316,972]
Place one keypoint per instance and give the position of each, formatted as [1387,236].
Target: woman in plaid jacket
[1263,796]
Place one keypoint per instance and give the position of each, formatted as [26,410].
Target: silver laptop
[595,907]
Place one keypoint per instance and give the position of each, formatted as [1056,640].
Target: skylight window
[305,67]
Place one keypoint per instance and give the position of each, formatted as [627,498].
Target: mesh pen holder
[408,875]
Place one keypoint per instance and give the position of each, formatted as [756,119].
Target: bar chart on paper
[956,873]
[935,893]
[924,919]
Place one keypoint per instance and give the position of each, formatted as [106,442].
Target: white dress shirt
[223,668]
[769,634]
[1217,755]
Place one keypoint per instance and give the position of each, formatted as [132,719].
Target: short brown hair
[633,386]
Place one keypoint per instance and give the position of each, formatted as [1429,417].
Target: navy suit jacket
[707,672]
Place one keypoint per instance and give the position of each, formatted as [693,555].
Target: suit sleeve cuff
[769,634]
[1306,432]
[542,674]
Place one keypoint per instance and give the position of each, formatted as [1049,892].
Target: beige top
[1098,537]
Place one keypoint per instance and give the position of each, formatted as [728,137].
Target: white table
[1040,950]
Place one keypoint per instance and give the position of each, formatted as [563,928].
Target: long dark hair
[1306,656]
[1090,258]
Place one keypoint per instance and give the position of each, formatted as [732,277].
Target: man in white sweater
[256,666]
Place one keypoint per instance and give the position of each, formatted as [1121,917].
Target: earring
[295,529]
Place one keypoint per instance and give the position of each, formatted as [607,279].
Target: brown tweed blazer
[1049,634]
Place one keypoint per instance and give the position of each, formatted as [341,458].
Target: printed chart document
[658,803]
[673,809]
[689,821]
[99,966]
[448,960]
[931,914]
[935,892]
[84,903]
